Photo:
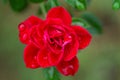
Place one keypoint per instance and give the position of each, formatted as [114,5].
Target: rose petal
[28,23]
[24,37]
[71,49]
[68,67]
[60,12]
[42,58]
[30,54]
[53,21]
[55,58]
[25,26]
[35,37]
[83,35]
[31,21]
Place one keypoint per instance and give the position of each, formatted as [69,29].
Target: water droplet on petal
[21,27]
[68,70]
[65,71]
[45,57]
[35,57]
[69,37]
[58,31]
[71,66]
[24,37]
[67,40]
[33,65]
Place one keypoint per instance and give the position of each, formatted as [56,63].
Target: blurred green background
[100,61]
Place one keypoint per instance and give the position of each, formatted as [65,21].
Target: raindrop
[24,37]
[45,57]
[64,70]
[35,57]
[71,66]
[69,37]
[58,31]
[33,65]
[21,27]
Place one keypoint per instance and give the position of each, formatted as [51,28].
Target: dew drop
[64,70]
[45,57]
[24,37]
[21,27]
[35,57]
[69,37]
[58,31]
[68,69]
[71,66]
[33,65]
[33,62]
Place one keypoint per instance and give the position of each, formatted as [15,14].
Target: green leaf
[51,73]
[47,6]
[81,22]
[93,21]
[18,5]
[116,5]
[51,3]
[56,2]
[81,4]
[71,2]
[85,24]
[36,1]
[77,4]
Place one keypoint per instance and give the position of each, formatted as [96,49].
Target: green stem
[51,73]
[43,9]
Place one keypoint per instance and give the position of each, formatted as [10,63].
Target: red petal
[24,37]
[30,54]
[55,58]
[83,35]
[25,26]
[35,37]
[68,67]
[60,12]
[31,21]
[53,21]
[42,58]
[71,49]
[28,23]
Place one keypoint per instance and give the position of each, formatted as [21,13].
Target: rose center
[56,42]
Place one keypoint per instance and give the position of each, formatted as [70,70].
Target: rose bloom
[53,42]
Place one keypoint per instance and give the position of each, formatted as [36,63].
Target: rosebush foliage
[88,20]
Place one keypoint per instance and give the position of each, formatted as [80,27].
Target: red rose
[53,42]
